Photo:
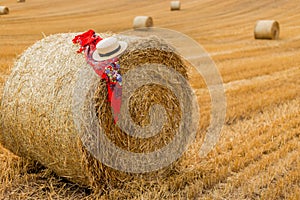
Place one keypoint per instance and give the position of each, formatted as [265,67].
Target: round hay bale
[266,29]
[53,97]
[4,10]
[175,5]
[20,1]
[142,22]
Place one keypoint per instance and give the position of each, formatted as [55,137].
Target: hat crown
[109,48]
[107,45]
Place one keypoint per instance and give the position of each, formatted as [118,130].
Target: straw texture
[41,120]
[266,29]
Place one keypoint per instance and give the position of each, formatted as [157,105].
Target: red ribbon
[86,39]
[88,42]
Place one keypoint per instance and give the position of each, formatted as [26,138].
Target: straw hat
[109,48]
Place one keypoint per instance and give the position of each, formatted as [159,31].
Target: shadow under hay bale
[50,80]
[4,10]
[266,29]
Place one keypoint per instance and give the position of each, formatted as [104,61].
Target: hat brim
[97,57]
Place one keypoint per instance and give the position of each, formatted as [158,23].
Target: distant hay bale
[175,5]
[142,22]
[49,80]
[266,29]
[4,10]
[20,1]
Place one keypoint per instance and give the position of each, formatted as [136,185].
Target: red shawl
[108,70]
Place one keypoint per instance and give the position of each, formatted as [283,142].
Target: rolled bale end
[4,10]
[53,98]
[266,29]
[140,22]
[174,5]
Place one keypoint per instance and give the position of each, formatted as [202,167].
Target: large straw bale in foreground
[38,119]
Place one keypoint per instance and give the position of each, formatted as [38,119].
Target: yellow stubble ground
[257,156]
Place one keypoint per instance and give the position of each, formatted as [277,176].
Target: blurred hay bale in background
[4,10]
[37,116]
[174,5]
[266,29]
[20,1]
[142,22]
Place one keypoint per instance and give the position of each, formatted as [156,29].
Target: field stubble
[257,156]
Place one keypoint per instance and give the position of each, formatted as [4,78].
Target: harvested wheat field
[258,153]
